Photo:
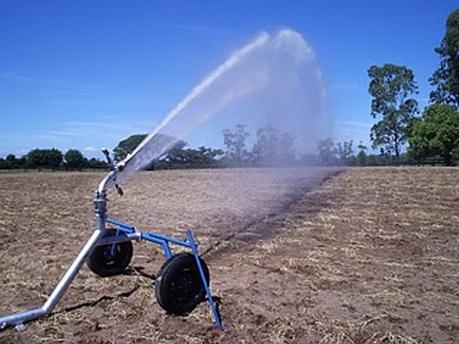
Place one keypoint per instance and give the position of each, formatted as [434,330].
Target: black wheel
[111,259]
[179,286]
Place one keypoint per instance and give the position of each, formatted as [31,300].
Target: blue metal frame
[123,229]
[124,232]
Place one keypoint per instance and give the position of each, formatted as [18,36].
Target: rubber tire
[101,264]
[178,286]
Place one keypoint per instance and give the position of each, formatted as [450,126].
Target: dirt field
[369,255]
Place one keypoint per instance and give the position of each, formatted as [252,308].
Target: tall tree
[362,154]
[391,87]
[44,158]
[96,163]
[234,141]
[179,157]
[159,145]
[126,146]
[436,133]
[11,161]
[273,146]
[74,159]
[344,150]
[446,77]
[326,152]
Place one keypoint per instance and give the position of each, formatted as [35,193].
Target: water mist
[273,80]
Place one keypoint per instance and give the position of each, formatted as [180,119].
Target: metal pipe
[210,299]
[100,203]
[159,238]
[72,271]
[120,224]
[119,239]
[20,318]
[108,181]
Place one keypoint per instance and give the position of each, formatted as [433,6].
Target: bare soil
[369,255]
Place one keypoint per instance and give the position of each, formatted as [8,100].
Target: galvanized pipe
[108,181]
[72,271]
[119,239]
[20,318]
[100,203]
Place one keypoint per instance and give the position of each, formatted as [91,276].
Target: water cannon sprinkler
[107,156]
[183,280]
[271,64]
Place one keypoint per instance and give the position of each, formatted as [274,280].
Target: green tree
[127,146]
[35,158]
[273,146]
[54,158]
[96,163]
[44,158]
[391,87]
[234,141]
[436,133]
[362,156]
[205,157]
[12,162]
[446,77]
[74,159]
[326,152]
[176,157]
[344,150]
[158,145]
[179,157]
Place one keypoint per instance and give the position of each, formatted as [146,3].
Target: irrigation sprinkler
[270,67]
[181,284]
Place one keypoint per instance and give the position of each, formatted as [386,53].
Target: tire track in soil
[271,224]
[256,230]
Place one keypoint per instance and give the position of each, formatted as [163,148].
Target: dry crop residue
[369,256]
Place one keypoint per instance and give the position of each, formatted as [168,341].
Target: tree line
[272,147]
[52,159]
[432,137]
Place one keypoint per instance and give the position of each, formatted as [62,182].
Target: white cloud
[91,149]
[62,85]
[90,136]
[355,124]
[46,137]
[352,130]
[63,133]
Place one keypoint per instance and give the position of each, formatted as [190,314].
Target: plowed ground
[368,255]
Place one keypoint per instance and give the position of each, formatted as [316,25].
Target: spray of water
[273,79]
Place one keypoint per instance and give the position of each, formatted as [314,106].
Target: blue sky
[86,74]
